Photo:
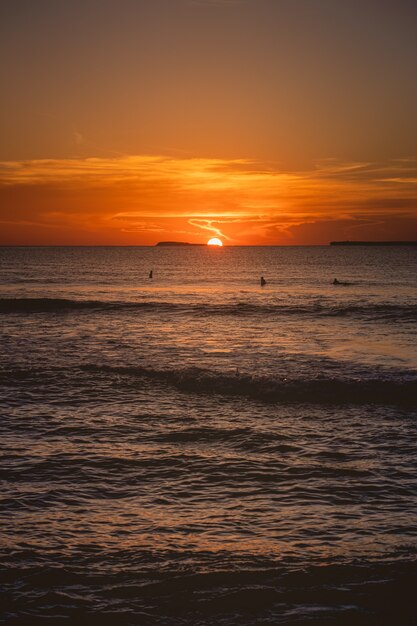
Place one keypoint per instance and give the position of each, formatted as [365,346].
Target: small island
[373,243]
[178,243]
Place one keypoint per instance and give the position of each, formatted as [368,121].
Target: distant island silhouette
[373,243]
[178,243]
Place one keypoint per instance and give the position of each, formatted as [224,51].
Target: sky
[262,122]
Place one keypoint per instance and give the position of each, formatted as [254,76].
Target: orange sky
[146,199]
[259,121]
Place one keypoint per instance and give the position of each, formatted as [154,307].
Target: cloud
[78,138]
[236,199]
[209,225]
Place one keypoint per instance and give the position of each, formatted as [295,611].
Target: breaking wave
[273,389]
[56,305]
[383,390]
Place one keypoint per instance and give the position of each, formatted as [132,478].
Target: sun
[214,242]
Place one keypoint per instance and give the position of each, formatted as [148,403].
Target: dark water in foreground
[197,450]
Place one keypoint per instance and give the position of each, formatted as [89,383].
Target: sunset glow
[214,242]
[143,199]
[141,144]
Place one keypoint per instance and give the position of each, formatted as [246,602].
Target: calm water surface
[195,449]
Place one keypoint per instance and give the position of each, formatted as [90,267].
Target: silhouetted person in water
[151,274]
[263,281]
[340,282]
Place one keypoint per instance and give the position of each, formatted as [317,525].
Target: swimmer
[340,282]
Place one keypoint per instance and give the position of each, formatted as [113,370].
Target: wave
[272,389]
[45,305]
[385,389]
[56,305]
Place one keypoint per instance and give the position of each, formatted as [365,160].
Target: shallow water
[196,449]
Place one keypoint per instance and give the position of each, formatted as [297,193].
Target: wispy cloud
[230,198]
[78,137]
[209,225]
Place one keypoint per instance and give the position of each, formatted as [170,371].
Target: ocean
[195,449]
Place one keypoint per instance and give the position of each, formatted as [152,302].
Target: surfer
[151,274]
[263,281]
[336,282]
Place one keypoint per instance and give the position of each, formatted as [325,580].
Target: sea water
[197,449]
